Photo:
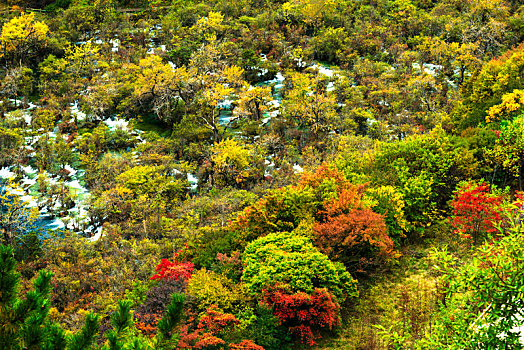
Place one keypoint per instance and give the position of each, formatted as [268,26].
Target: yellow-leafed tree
[22,36]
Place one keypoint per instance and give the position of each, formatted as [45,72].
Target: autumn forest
[261,174]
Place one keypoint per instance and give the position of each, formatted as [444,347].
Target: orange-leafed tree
[350,232]
[215,330]
[282,210]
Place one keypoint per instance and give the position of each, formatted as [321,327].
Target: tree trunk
[8,237]
[520,176]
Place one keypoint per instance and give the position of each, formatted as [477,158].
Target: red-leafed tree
[352,233]
[169,270]
[215,330]
[476,210]
[304,315]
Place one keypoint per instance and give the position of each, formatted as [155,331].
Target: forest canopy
[261,174]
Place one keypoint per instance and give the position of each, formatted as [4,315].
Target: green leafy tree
[509,148]
[292,260]
[425,170]
[329,43]
[215,289]
[482,307]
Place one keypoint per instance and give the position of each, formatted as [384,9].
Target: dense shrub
[293,262]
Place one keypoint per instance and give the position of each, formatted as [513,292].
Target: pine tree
[85,338]
[24,323]
[166,326]
[122,321]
